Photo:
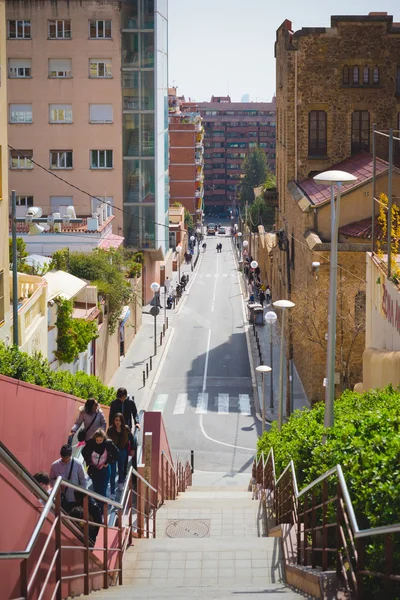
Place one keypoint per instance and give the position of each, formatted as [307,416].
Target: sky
[226,47]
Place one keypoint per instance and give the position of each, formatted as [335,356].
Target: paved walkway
[133,364]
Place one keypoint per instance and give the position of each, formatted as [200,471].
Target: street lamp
[155,288]
[271,318]
[179,251]
[331,178]
[254,264]
[263,369]
[283,304]
[198,231]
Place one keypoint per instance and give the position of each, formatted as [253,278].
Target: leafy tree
[21,255]
[188,220]
[74,335]
[255,171]
[60,260]
[36,369]
[260,213]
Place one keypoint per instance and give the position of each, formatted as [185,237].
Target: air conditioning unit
[57,226]
[71,212]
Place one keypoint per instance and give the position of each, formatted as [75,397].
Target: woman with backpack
[99,453]
[92,418]
[120,434]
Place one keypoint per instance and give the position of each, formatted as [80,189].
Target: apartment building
[333,84]
[84,77]
[4,255]
[232,130]
[186,161]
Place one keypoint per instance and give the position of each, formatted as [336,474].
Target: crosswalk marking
[160,403]
[244,404]
[180,405]
[202,404]
[223,404]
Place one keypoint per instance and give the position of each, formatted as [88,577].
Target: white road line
[202,404]
[244,404]
[252,450]
[206,362]
[160,403]
[180,405]
[223,404]
[215,288]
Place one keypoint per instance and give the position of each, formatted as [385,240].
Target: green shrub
[36,370]
[74,335]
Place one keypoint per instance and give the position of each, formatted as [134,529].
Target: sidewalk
[130,372]
[299,399]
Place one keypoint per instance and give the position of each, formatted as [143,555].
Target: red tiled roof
[111,241]
[359,165]
[362,229]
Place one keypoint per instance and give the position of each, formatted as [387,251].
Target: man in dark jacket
[126,406]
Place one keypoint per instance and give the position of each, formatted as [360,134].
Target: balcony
[32,313]
[200,176]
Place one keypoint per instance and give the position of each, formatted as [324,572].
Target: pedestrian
[43,479]
[261,297]
[99,453]
[71,470]
[92,418]
[95,514]
[125,405]
[250,289]
[121,435]
[204,246]
[268,295]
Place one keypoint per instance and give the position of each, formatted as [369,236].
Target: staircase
[210,544]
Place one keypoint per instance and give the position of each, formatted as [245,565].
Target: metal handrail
[138,437]
[168,461]
[358,533]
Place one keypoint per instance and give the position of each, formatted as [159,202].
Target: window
[59,204]
[20,113]
[100,30]
[60,113]
[365,75]
[2,296]
[21,159]
[19,67]
[356,75]
[360,131]
[59,30]
[19,30]
[317,133]
[375,75]
[101,113]
[60,159]
[100,67]
[26,201]
[60,67]
[101,159]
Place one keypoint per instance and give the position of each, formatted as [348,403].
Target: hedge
[36,369]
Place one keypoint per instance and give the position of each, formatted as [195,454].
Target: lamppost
[263,369]
[192,239]
[155,288]
[283,304]
[179,251]
[239,234]
[198,231]
[331,178]
[271,318]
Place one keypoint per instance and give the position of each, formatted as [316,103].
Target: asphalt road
[204,390]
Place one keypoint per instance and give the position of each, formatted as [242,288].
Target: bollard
[167,322]
[147,370]
[192,460]
[144,378]
[151,363]
[163,329]
[160,339]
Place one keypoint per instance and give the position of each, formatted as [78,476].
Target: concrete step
[217,479]
[239,591]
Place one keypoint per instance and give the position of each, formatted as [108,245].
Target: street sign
[154,311]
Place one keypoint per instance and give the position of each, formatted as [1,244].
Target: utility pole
[14,267]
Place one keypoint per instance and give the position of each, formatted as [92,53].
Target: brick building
[232,129]
[333,84]
[186,162]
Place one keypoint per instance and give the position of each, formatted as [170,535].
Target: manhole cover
[188,528]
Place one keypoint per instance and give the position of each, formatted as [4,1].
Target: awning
[63,284]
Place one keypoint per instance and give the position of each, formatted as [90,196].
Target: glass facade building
[144,51]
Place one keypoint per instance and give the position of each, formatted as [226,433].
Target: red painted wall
[35,422]
[154,423]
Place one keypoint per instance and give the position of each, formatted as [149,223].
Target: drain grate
[188,528]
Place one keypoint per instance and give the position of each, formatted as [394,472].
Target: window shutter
[19,63]
[21,108]
[60,64]
[101,113]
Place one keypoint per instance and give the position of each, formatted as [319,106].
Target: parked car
[211,229]
[222,230]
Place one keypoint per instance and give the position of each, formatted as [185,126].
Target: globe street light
[331,178]
[263,369]
[179,250]
[155,288]
[283,304]
[239,234]
[271,318]
[254,264]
